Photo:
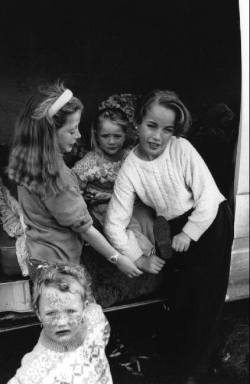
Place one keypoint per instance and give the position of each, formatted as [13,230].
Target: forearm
[118,216]
[98,242]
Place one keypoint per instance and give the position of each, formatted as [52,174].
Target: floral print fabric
[87,364]
[97,176]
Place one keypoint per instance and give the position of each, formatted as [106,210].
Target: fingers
[159,262]
[156,265]
[135,274]
[179,245]
[155,269]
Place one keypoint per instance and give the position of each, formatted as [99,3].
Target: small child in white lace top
[71,346]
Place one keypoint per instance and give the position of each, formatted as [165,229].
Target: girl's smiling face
[61,313]
[68,134]
[111,138]
[155,131]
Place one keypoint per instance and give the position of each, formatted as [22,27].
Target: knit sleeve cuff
[192,230]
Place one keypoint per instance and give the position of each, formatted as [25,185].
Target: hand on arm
[101,245]
[181,242]
[125,265]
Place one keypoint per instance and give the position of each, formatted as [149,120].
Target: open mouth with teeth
[154,146]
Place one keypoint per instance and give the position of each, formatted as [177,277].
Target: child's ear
[85,304]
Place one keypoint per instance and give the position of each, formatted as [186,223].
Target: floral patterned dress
[96,177]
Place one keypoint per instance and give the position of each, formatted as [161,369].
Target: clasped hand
[181,242]
[125,265]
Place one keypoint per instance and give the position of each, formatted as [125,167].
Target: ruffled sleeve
[83,169]
[97,324]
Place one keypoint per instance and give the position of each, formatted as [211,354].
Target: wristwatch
[114,258]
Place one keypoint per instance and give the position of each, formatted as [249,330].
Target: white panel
[241,222]
[15,296]
[242,160]
[239,272]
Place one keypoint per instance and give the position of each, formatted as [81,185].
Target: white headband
[60,102]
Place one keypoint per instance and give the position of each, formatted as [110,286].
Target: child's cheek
[76,320]
[72,320]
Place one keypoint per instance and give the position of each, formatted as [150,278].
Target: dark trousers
[197,282]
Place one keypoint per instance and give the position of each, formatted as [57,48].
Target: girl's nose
[111,140]
[77,134]
[157,134]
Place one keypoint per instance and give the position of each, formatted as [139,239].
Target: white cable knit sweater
[171,184]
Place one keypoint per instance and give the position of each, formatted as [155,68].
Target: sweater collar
[164,154]
[70,346]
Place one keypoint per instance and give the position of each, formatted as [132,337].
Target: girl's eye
[73,130]
[71,311]
[50,314]
[168,130]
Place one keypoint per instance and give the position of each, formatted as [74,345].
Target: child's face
[61,313]
[68,134]
[155,131]
[111,137]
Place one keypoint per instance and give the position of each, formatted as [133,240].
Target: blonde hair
[34,160]
[116,116]
[61,276]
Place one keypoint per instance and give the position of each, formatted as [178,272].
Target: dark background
[104,47]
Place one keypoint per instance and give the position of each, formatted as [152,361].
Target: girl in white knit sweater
[71,347]
[167,174]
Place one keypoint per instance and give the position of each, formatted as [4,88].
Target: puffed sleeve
[70,210]
[68,206]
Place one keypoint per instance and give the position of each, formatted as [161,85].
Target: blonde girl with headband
[55,214]
[75,331]
[167,174]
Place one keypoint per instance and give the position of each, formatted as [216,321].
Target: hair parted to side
[61,277]
[116,116]
[169,100]
[34,160]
